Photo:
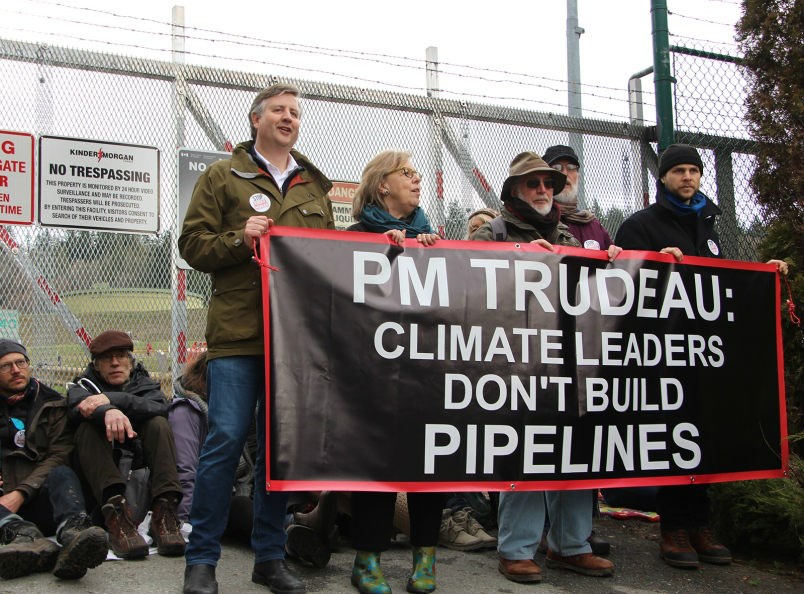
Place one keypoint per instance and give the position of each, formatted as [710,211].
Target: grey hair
[259,102]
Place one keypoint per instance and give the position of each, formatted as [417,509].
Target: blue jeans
[521,516]
[235,386]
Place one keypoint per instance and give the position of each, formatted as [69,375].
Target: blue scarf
[378,220]
[695,205]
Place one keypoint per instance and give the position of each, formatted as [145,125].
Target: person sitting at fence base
[39,493]
[114,402]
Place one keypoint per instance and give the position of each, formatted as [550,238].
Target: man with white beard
[583,225]
[529,214]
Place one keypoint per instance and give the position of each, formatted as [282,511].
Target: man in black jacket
[681,222]
[116,400]
[39,493]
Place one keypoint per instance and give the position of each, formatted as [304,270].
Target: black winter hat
[11,346]
[560,151]
[679,154]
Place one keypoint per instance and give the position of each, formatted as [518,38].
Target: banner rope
[256,258]
[791,306]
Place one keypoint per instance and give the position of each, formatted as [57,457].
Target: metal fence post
[662,78]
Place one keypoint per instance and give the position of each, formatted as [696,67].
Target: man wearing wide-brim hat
[529,213]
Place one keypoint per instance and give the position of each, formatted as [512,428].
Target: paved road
[638,571]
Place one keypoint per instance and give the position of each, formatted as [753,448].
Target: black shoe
[307,545]
[200,579]
[600,546]
[276,575]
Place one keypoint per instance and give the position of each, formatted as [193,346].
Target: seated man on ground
[39,493]
[115,400]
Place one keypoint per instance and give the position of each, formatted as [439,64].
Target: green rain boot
[422,580]
[367,575]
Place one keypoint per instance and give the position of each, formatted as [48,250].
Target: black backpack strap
[499,229]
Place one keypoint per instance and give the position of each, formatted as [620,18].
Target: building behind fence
[56,283]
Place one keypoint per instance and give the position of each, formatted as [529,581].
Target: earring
[386,191]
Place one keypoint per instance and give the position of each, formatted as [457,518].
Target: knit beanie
[678,154]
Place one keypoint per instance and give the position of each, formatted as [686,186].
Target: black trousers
[683,506]
[373,518]
[99,468]
[58,498]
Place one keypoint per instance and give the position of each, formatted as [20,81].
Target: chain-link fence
[56,284]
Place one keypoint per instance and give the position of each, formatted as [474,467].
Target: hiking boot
[422,578]
[466,520]
[83,546]
[200,579]
[322,517]
[522,571]
[277,576]
[455,537]
[675,548]
[25,550]
[124,539]
[585,563]
[166,528]
[306,544]
[708,548]
[367,575]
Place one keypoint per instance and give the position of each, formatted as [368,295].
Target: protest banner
[501,366]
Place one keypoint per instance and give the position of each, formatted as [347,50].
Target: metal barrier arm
[39,280]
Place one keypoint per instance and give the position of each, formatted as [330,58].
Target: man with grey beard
[583,225]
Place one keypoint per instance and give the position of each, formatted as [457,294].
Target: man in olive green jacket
[234,204]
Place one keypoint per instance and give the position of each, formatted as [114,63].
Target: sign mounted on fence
[192,163]
[342,194]
[91,184]
[477,366]
[16,178]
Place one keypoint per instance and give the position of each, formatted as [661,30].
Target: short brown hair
[259,101]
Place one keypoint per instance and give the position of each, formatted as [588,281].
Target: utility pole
[574,33]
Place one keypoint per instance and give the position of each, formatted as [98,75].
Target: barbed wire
[386,59]
[699,19]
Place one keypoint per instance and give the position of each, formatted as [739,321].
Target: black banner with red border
[497,366]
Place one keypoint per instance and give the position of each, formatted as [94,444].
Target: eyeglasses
[21,364]
[109,355]
[567,166]
[407,172]
[535,182]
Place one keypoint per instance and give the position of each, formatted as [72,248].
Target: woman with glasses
[387,201]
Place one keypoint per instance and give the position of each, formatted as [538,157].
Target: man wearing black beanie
[681,222]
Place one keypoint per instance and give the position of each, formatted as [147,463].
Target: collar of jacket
[245,166]
[710,209]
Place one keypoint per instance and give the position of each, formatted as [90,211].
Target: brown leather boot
[25,550]
[166,528]
[124,539]
[676,550]
[520,570]
[708,548]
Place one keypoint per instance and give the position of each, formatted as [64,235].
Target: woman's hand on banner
[427,238]
[396,236]
[255,228]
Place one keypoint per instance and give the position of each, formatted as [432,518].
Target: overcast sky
[511,53]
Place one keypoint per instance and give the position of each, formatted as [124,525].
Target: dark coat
[522,232]
[139,399]
[660,225]
[48,442]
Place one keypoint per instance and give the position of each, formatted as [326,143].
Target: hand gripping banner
[499,366]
